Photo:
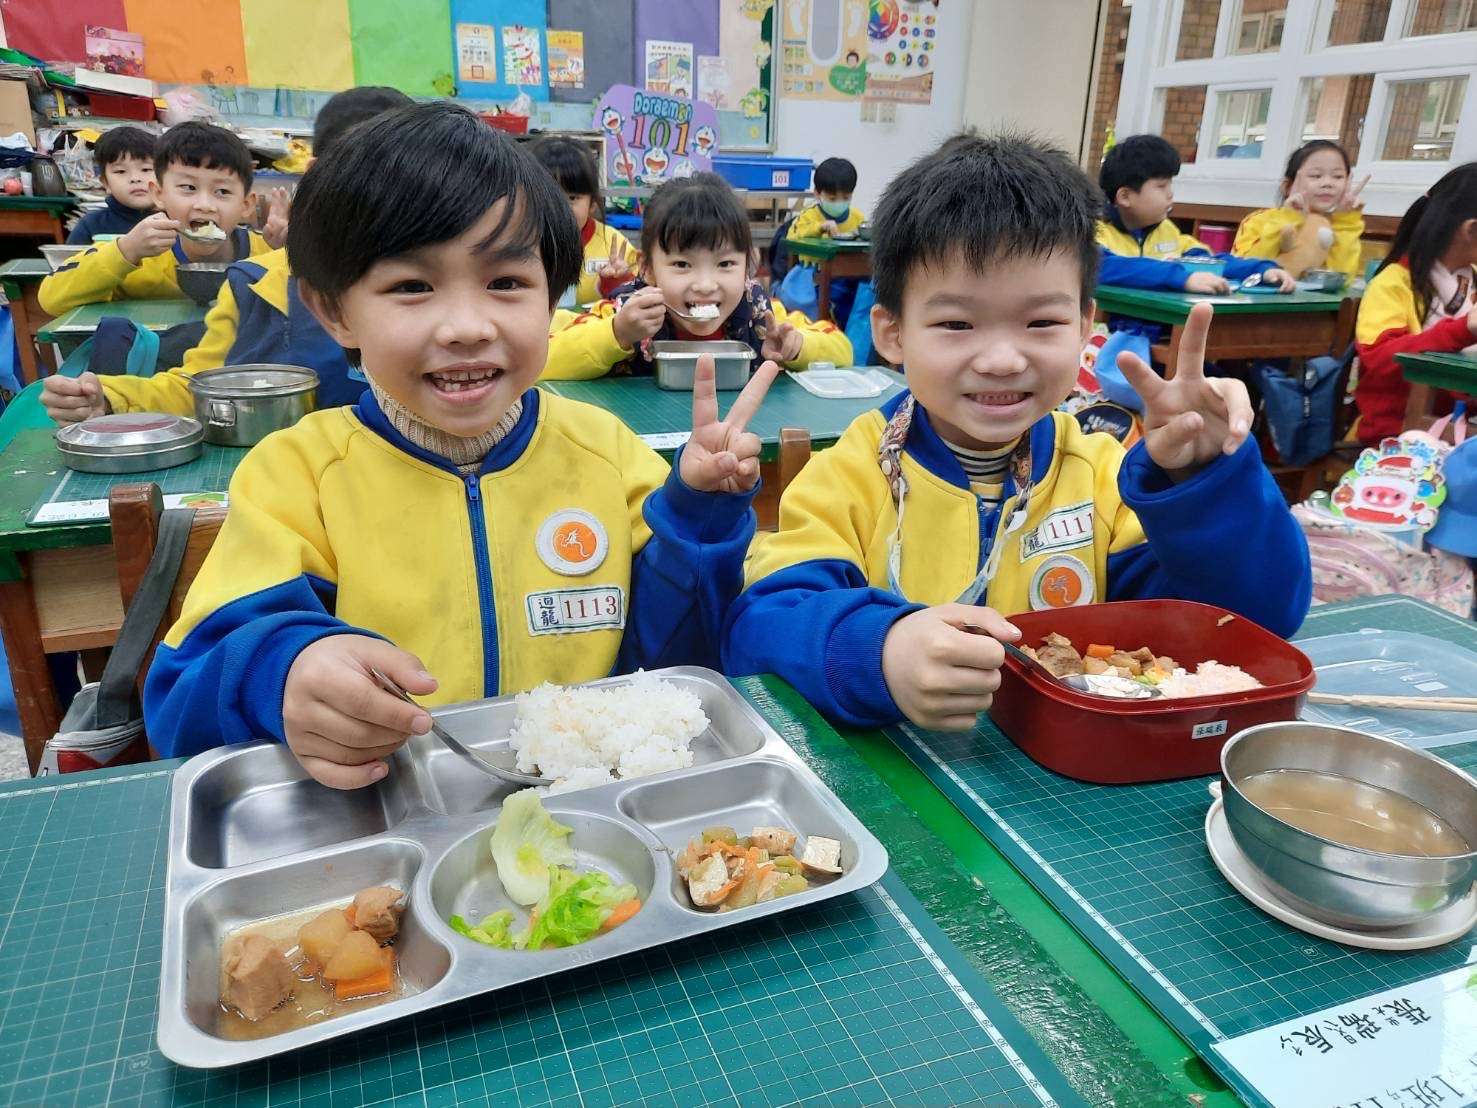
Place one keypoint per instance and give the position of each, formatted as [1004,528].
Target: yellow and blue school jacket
[257,317]
[598,240]
[1148,258]
[103,274]
[807,225]
[587,348]
[574,552]
[112,218]
[1101,525]
[1260,236]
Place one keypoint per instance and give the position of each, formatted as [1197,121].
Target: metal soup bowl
[242,404]
[1344,885]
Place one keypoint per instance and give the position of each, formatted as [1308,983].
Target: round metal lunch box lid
[128,434]
[248,382]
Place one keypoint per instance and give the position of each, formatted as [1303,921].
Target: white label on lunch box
[1209,730]
[1064,529]
[562,611]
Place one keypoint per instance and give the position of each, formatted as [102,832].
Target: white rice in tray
[1209,679]
[582,737]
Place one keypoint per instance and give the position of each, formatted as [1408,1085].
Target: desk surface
[1456,372]
[25,269]
[1174,307]
[156,315]
[827,248]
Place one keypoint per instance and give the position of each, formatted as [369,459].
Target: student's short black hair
[1137,159]
[570,163]
[343,110]
[123,142]
[203,146]
[986,198]
[418,176]
[701,212]
[835,175]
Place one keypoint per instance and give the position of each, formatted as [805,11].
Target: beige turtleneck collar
[466,454]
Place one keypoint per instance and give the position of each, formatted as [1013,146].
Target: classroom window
[1256,27]
[1441,17]
[1241,122]
[1356,21]
[1182,110]
[1421,119]
[1198,22]
[1336,107]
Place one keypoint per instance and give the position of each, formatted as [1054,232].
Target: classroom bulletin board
[570,51]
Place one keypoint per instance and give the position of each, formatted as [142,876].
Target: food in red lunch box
[1210,678]
[725,872]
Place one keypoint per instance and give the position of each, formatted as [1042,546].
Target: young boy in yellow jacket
[202,187]
[458,529]
[695,285]
[258,315]
[832,214]
[972,489]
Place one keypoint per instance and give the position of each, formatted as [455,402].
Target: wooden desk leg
[35,693]
[1420,406]
[1172,355]
[823,291]
[25,334]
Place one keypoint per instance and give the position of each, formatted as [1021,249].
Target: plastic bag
[859,325]
[1110,378]
[797,291]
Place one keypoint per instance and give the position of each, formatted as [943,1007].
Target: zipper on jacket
[484,587]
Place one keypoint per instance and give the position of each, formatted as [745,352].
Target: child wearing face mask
[696,284]
[832,214]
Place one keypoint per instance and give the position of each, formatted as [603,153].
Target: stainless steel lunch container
[676,363]
[242,404]
[130,442]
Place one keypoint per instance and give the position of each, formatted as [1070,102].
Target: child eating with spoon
[696,284]
[456,522]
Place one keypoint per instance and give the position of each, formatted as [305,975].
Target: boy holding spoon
[696,283]
[202,187]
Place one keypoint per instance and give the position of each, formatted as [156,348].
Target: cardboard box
[15,110]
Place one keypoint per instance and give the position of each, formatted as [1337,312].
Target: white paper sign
[85,511]
[1410,1047]
[666,440]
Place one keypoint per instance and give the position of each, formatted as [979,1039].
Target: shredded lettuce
[577,904]
[526,844]
[494,930]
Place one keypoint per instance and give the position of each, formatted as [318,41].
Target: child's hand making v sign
[342,725]
[1190,419]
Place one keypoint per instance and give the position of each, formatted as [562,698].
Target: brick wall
[1109,81]
[1183,109]
[1406,100]
[1197,29]
[1358,21]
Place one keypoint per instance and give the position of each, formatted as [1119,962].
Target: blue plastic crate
[761,173]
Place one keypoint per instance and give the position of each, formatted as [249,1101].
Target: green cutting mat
[859,1000]
[211,472]
[1128,866]
[649,410]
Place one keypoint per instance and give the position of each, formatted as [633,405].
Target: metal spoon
[492,769]
[205,239]
[1093,684]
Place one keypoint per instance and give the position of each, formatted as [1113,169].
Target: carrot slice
[349,915]
[381,982]
[620,913]
[1097,650]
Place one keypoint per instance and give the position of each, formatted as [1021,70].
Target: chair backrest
[133,512]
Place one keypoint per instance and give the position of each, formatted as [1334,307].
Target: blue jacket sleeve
[1239,269]
[818,625]
[1141,273]
[686,575]
[1224,537]
[225,680]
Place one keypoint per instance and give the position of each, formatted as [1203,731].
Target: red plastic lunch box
[1119,742]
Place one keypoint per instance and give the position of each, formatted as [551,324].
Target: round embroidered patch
[572,542]
[1061,582]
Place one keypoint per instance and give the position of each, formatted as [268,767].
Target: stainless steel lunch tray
[251,837]
[676,363]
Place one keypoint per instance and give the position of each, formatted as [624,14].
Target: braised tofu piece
[378,911]
[255,976]
[776,840]
[821,857]
[708,882]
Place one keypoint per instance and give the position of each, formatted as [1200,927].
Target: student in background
[1316,180]
[203,181]
[696,284]
[608,257]
[1141,246]
[124,157]
[439,529]
[1420,299]
[832,214]
[257,317]
[973,489]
